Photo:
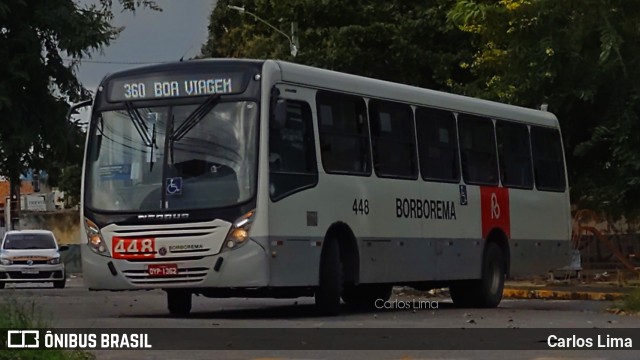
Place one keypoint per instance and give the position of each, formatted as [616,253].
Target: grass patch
[631,302]
[20,315]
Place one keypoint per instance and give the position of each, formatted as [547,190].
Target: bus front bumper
[246,266]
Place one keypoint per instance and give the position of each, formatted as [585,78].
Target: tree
[70,184]
[37,37]
[404,41]
[580,57]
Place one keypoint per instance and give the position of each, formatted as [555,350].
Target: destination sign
[173,85]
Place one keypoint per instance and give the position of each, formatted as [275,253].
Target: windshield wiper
[138,123]
[143,130]
[171,124]
[153,145]
[192,120]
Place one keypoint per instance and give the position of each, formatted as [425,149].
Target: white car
[31,256]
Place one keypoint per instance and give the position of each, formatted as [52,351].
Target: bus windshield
[138,165]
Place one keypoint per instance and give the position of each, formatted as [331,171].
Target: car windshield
[29,241]
[210,163]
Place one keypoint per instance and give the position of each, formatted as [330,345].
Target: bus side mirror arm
[73,109]
[278,111]
[281,113]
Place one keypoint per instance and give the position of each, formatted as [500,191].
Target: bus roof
[333,80]
[177,65]
[368,87]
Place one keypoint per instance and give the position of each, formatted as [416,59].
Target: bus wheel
[178,302]
[365,296]
[487,291]
[327,295]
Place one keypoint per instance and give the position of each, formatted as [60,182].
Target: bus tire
[485,292]
[178,302]
[327,295]
[365,296]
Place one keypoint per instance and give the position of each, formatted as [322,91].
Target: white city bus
[245,178]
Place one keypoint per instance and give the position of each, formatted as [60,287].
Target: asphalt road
[76,307]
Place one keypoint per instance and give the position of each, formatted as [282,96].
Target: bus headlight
[54,261]
[94,238]
[239,233]
[6,261]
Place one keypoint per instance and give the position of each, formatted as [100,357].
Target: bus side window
[393,139]
[478,150]
[437,144]
[292,156]
[344,134]
[514,154]
[548,160]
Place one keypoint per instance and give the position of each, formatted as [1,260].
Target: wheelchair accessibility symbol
[174,186]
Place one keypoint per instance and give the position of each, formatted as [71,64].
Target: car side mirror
[63,248]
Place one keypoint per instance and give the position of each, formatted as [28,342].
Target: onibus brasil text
[49,340]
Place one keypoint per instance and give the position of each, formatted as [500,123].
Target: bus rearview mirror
[73,109]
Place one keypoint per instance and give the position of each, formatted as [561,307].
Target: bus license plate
[30,271]
[163,270]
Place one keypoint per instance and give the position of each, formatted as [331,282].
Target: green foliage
[70,183]
[631,302]
[15,314]
[405,41]
[581,58]
[36,38]
[19,315]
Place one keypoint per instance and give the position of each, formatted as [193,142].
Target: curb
[515,293]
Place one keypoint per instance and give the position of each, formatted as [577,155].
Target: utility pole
[294,44]
[14,205]
[294,38]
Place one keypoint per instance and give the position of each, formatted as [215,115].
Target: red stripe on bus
[494,203]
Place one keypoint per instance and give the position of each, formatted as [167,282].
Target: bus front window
[212,164]
[216,159]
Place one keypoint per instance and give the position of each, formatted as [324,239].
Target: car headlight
[54,261]
[239,232]
[6,261]
[94,238]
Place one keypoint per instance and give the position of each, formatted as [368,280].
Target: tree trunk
[14,185]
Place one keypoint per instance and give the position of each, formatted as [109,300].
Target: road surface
[76,307]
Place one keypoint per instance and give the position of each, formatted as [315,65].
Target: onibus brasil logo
[23,339]
[32,339]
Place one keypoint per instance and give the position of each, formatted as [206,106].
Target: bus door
[294,233]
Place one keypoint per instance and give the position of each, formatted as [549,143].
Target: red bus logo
[494,203]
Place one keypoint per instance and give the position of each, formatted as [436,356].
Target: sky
[150,36]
